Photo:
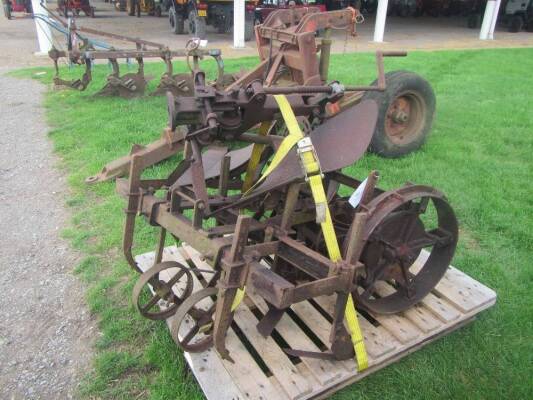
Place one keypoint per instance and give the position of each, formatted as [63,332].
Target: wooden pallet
[262,369]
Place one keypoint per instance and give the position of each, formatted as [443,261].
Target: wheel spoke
[153,301]
[369,290]
[407,287]
[422,205]
[175,278]
[377,274]
[192,333]
[437,236]
[408,228]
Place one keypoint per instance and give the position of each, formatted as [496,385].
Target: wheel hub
[405,118]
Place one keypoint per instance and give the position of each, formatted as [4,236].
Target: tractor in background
[64,7]
[265,7]
[136,7]
[11,6]
[518,15]
[193,16]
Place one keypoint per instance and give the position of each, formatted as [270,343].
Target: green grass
[479,154]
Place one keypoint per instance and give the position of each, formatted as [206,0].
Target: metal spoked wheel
[401,224]
[169,294]
[194,321]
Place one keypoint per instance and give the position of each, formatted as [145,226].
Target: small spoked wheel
[403,223]
[157,298]
[192,326]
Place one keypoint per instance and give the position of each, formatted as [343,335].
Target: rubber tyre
[248,29]
[197,25]
[7,10]
[176,21]
[402,83]
[473,21]
[529,25]
[130,7]
[516,24]
[404,11]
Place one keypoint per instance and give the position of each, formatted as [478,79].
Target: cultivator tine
[231,280]
[78,84]
[178,84]
[127,86]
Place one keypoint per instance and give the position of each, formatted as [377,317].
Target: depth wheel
[406,111]
[194,321]
[401,224]
[147,300]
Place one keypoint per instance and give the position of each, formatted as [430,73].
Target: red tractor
[265,7]
[194,16]
[75,7]
[16,6]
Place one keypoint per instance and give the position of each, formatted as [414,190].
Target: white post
[381,16]
[44,36]
[487,20]
[238,24]
[494,18]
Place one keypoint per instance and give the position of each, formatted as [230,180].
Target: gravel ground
[45,329]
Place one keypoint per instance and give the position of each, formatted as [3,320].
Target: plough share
[82,51]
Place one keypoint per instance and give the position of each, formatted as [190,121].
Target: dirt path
[46,332]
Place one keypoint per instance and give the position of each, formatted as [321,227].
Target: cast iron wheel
[177,23]
[197,25]
[396,232]
[405,116]
[162,290]
[516,24]
[195,317]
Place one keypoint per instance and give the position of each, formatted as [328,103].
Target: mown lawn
[479,153]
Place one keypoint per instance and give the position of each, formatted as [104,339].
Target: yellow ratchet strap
[314,177]
[311,166]
[238,298]
[255,158]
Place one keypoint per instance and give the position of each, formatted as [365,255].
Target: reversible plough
[265,207]
[83,51]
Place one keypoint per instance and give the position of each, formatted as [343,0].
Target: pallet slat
[453,303]
[377,343]
[274,357]
[322,370]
